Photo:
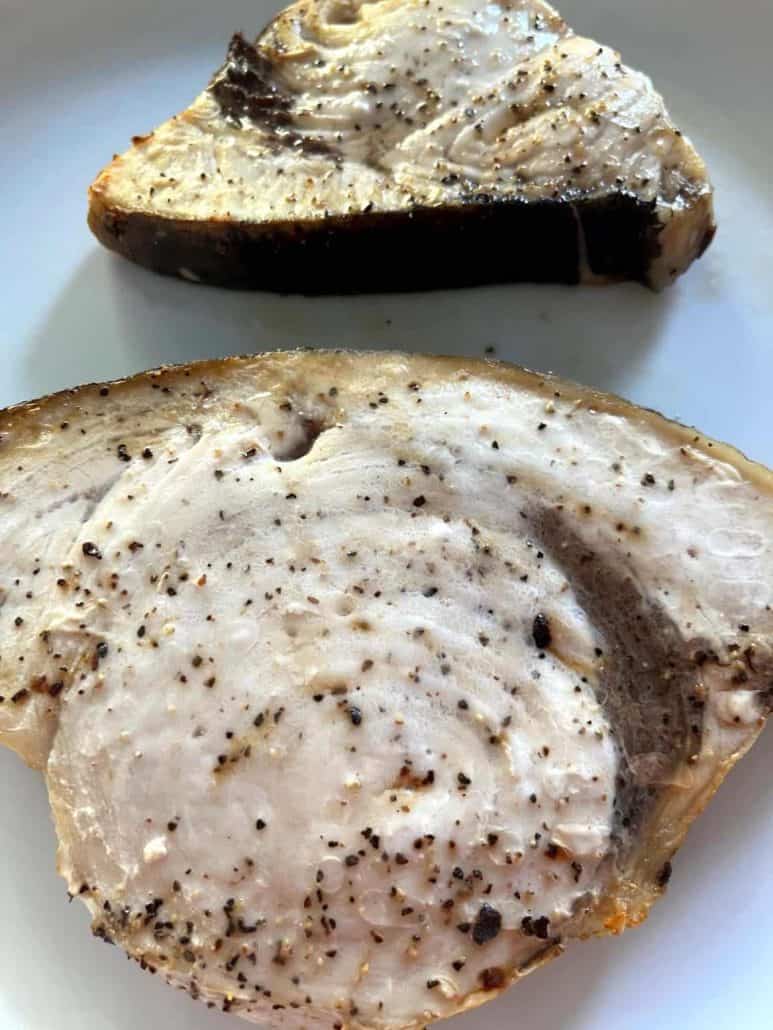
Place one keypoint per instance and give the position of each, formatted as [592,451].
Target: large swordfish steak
[362,684]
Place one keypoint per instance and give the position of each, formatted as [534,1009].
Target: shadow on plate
[114,318]
[48,940]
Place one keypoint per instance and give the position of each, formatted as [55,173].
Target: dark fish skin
[465,244]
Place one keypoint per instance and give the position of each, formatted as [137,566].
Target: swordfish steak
[405,144]
[364,684]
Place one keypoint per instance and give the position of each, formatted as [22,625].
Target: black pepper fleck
[487,925]
[541,631]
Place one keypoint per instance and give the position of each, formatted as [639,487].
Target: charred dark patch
[247,86]
[664,876]
[492,979]
[648,672]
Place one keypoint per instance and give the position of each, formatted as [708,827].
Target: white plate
[77,79]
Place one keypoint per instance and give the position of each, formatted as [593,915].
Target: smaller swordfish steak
[407,144]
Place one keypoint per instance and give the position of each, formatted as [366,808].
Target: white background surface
[77,79]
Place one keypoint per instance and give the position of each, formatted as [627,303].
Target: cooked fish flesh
[406,144]
[363,684]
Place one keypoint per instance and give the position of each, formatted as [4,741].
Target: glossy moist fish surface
[404,144]
[362,684]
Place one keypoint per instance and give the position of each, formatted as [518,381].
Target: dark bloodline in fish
[247,86]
